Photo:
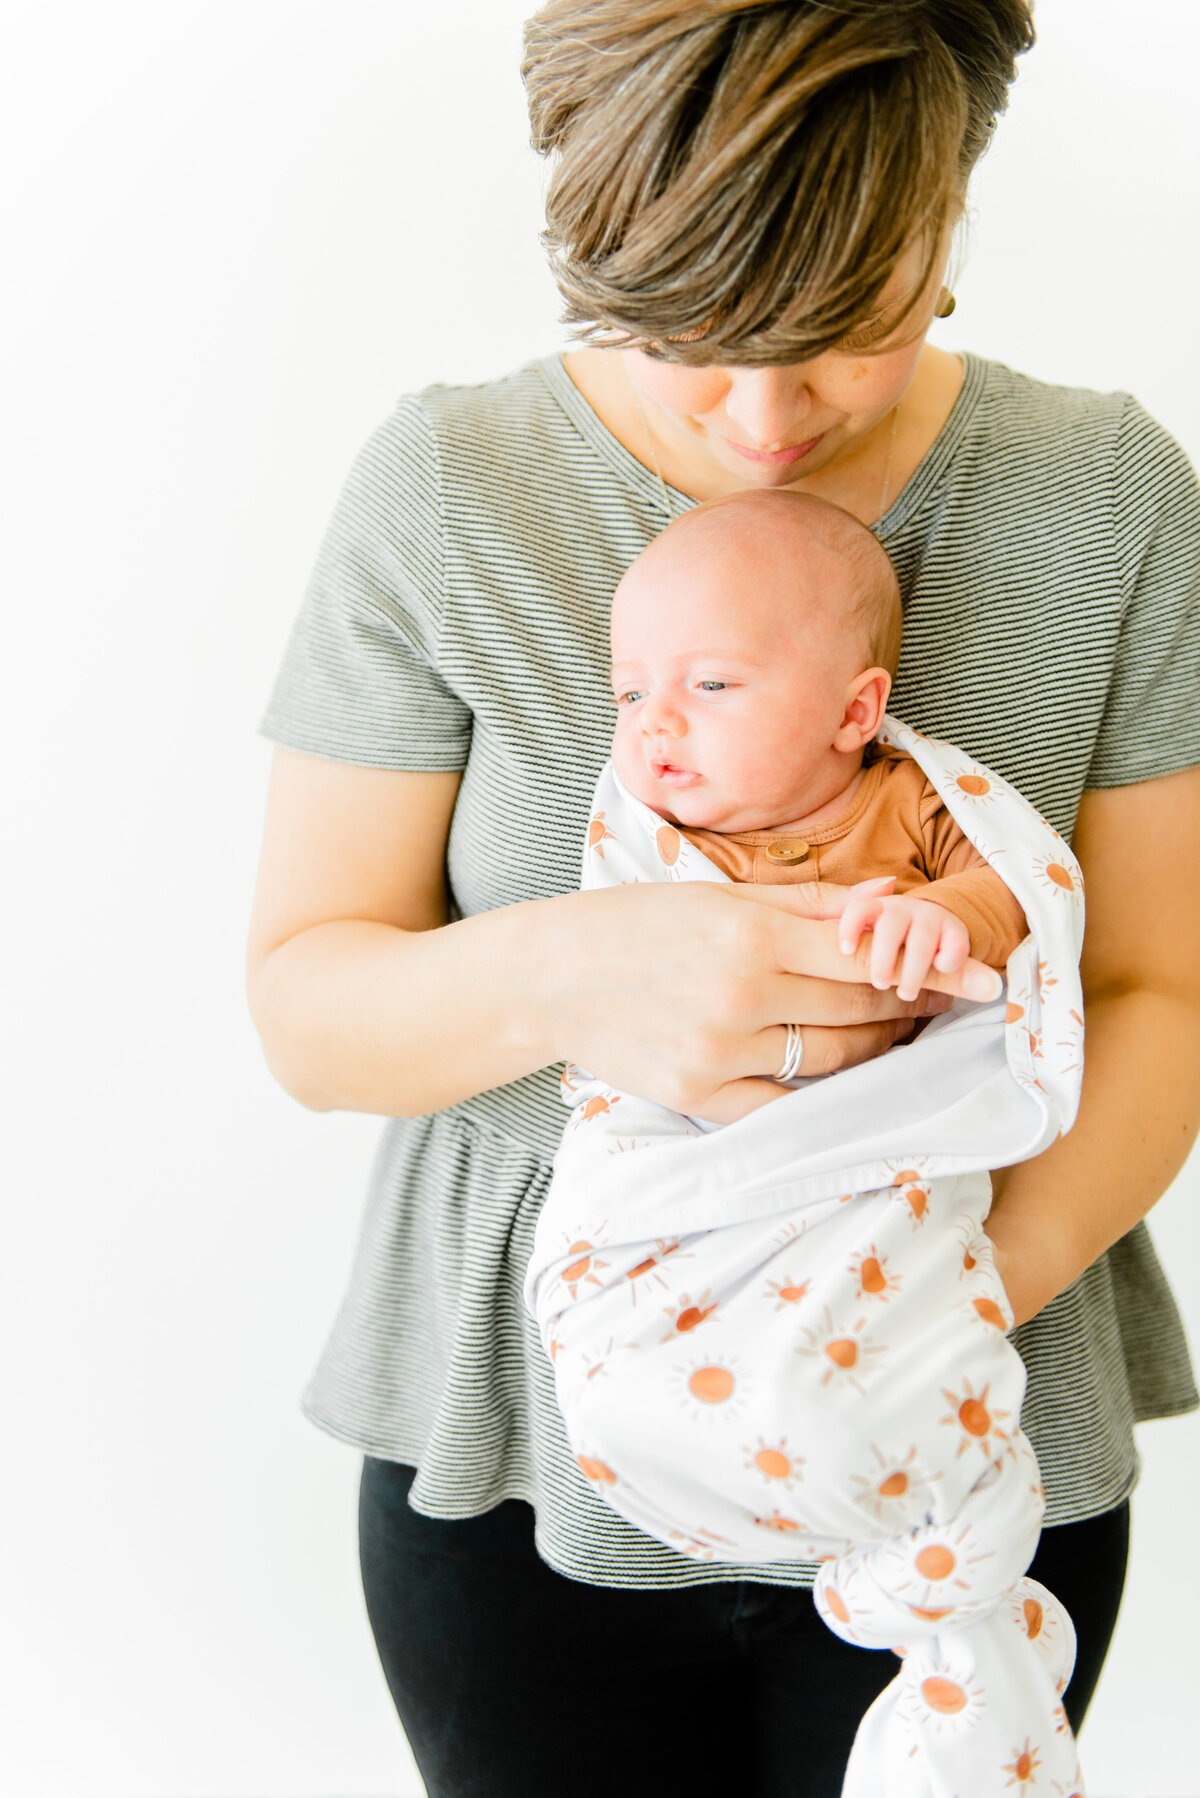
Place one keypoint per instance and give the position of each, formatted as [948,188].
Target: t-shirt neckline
[924,479]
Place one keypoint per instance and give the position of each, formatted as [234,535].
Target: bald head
[811,554]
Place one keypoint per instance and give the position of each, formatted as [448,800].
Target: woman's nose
[770,406]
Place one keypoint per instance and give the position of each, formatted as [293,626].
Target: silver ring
[794,1055]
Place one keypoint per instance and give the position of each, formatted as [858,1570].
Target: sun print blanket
[786,1338]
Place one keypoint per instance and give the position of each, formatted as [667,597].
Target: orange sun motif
[980,1426]
[977,785]
[702,1545]
[598,1106]
[582,1270]
[597,1364]
[990,1312]
[670,846]
[975,1245]
[787,1291]
[939,1570]
[599,834]
[870,1269]
[907,1175]
[712,1388]
[889,1488]
[846,1357]
[1058,877]
[1035,1622]
[1023,1766]
[950,1701]
[777,1467]
[598,1472]
[916,1198]
[648,1266]
[783,1526]
[688,1314]
[788,1231]
[944,1703]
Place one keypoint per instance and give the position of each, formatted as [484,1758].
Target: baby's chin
[694,808]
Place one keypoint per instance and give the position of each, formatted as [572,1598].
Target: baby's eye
[713,686]
[628,698]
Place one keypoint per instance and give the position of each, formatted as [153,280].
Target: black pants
[513,1682]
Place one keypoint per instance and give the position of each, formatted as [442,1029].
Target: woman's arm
[366,999]
[1139,847]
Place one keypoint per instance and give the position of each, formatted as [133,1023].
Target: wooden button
[787,851]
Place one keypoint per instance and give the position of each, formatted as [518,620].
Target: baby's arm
[969,912]
[930,935]
[965,883]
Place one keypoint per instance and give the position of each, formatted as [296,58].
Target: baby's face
[729,694]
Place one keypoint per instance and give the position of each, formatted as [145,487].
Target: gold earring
[946,304]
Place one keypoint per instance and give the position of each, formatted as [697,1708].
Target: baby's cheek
[630,764]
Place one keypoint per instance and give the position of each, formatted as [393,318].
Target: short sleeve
[1151,723]
[359,678]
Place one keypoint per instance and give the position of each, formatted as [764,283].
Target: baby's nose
[661,715]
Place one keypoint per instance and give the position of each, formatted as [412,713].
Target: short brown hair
[736,180]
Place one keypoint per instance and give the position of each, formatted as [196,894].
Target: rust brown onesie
[896,824]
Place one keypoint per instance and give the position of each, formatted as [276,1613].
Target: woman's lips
[673,776]
[774,456]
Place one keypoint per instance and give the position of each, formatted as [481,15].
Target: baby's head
[753,647]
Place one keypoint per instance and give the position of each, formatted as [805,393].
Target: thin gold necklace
[668,506]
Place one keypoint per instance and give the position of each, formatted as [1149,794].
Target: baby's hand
[930,936]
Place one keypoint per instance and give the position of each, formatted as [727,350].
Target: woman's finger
[814,898]
[808,945]
[834,1004]
[827,1051]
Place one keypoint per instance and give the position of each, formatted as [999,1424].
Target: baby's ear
[866,702]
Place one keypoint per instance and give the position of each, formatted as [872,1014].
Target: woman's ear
[866,702]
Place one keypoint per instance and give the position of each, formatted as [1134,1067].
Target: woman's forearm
[360,1016]
[1053,1216]
[669,991]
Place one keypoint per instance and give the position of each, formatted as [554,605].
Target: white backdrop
[235,231]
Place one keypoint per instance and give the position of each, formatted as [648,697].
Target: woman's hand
[683,993]
[366,999]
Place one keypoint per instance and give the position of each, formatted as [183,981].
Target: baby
[754,644]
[786,1340]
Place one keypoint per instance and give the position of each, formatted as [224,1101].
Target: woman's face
[770,427]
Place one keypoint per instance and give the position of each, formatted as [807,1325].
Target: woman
[750,216]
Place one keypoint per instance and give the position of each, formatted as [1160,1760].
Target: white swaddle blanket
[785,1338]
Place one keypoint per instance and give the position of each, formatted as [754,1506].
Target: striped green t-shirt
[1048,549]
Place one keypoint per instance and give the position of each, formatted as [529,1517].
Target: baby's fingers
[889,932]
[919,950]
[860,914]
[954,947]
